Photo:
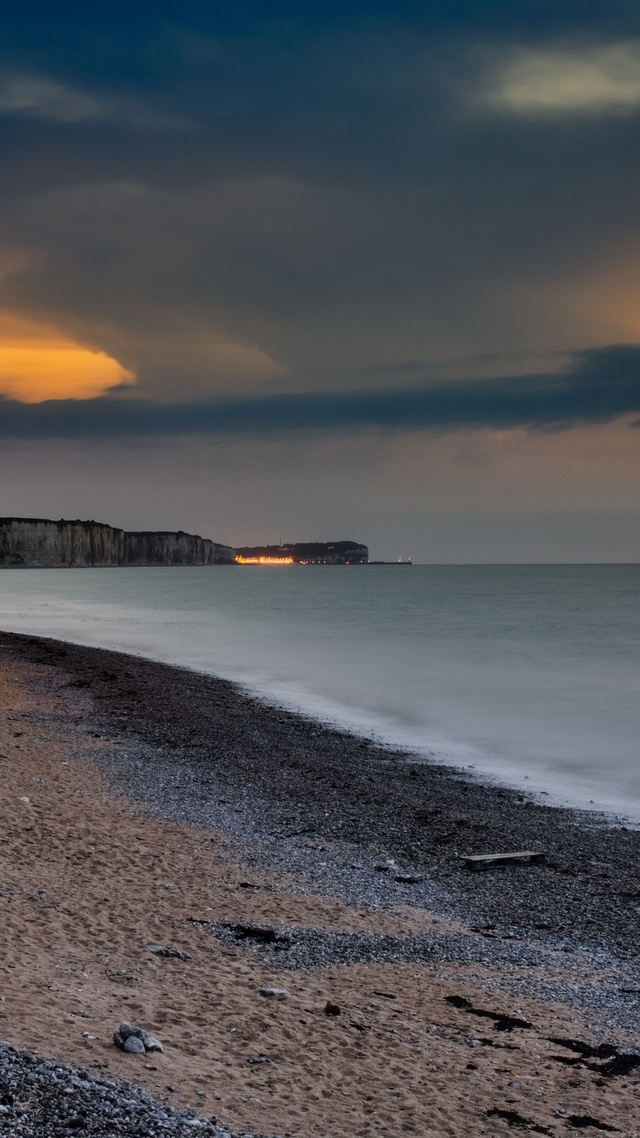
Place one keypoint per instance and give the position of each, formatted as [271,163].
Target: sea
[525,675]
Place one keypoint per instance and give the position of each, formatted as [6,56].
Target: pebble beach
[286,907]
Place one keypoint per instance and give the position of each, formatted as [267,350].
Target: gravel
[41,1099]
[298,947]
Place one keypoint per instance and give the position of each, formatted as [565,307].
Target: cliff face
[37,542]
[158,548]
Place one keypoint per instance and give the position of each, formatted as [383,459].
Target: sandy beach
[143,805]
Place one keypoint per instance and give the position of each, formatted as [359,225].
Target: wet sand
[142,804]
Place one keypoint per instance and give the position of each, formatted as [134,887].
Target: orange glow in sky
[37,362]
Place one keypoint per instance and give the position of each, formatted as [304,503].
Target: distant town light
[263,560]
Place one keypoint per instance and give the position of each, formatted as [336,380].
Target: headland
[46,544]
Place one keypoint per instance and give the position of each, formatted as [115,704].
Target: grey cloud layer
[603,385]
[560,80]
[34,96]
[323,278]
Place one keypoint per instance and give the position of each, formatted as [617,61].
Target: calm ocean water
[528,673]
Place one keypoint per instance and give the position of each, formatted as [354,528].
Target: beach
[145,805]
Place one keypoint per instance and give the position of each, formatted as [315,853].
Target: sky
[321,271]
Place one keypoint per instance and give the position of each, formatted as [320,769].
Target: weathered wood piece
[521,857]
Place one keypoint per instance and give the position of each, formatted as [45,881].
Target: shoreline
[145,803]
[559,791]
[536,703]
[348,791]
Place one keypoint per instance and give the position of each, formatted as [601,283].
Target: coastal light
[263,560]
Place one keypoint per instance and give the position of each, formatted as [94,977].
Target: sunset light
[37,363]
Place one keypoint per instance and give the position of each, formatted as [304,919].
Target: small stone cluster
[135,1040]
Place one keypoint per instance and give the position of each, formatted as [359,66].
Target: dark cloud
[330,206]
[603,385]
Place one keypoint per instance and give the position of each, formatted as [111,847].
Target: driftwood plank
[521,857]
